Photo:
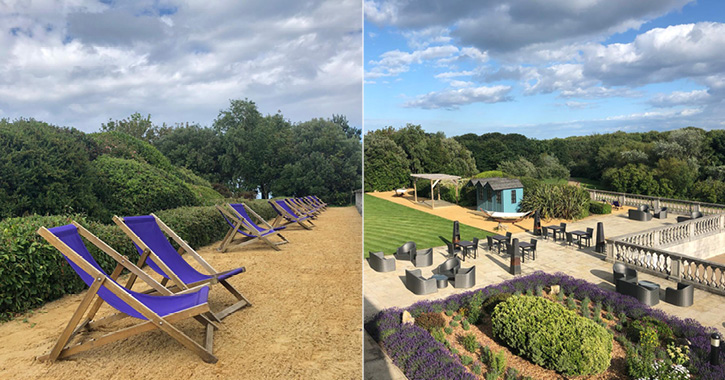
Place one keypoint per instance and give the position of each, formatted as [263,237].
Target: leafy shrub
[466,360]
[635,328]
[557,201]
[129,187]
[45,170]
[600,208]
[438,335]
[448,330]
[469,342]
[496,362]
[454,324]
[552,336]
[457,317]
[511,374]
[466,326]
[490,303]
[476,369]
[121,145]
[430,321]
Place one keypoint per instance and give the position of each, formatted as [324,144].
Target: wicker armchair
[379,263]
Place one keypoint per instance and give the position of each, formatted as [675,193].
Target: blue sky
[544,69]
[80,63]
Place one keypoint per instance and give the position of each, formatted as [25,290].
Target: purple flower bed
[420,356]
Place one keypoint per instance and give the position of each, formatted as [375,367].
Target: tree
[195,148]
[519,168]
[254,148]
[350,132]
[549,167]
[676,176]
[414,142]
[386,166]
[136,126]
[326,162]
[632,178]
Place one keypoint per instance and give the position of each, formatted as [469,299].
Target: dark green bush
[129,187]
[33,272]
[557,201]
[469,342]
[490,303]
[552,336]
[430,321]
[600,208]
[121,145]
[636,327]
[45,170]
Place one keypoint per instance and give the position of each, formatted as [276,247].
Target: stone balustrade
[702,274]
[676,206]
[674,234]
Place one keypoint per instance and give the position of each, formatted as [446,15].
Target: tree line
[687,163]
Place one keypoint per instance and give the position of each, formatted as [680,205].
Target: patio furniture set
[644,213]
[448,272]
[526,248]
[568,236]
[627,283]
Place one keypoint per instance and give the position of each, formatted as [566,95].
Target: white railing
[702,274]
[674,234]
[677,206]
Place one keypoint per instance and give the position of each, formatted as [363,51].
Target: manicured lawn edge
[420,356]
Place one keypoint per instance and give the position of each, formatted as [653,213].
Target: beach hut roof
[498,183]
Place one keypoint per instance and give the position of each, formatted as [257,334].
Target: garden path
[305,321]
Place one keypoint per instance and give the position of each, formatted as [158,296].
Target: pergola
[434,179]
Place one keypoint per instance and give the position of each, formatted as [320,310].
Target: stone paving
[384,290]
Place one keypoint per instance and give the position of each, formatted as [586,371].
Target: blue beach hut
[498,194]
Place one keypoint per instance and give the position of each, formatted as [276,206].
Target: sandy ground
[466,215]
[305,322]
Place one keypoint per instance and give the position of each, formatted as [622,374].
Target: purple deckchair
[302,208]
[286,213]
[154,310]
[241,223]
[150,241]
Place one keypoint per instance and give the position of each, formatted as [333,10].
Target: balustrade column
[676,264]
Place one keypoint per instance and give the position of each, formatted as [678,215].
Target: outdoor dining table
[500,239]
[555,230]
[579,235]
[466,245]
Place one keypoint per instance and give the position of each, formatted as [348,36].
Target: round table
[441,280]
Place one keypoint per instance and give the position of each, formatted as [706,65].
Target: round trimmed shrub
[129,187]
[551,336]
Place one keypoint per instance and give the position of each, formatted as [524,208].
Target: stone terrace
[384,290]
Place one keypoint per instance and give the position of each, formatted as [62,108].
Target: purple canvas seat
[155,250]
[153,310]
[241,223]
[285,213]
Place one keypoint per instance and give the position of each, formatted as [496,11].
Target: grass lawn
[389,225]
[589,183]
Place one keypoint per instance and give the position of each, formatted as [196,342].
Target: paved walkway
[384,290]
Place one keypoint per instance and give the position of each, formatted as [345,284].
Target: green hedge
[33,272]
[129,187]
[121,145]
[600,208]
[552,336]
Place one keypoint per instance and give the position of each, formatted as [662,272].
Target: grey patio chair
[545,232]
[619,270]
[693,215]
[683,296]
[423,258]
[452,251]
[465,278]
[417,284]
[660,213]
[449,268]
[639,215]
[569,238]
[491,243]
[646,295]
[587,237]
[508,237]
[405,251]
[531,250]
[379,263]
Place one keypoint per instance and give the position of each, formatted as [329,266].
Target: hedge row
[33,272]
[600,208]
[552,336]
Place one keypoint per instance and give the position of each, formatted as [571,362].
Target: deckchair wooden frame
[177,283]
[284,218]
[61,349]
[314,203]
[302,209]
[239,222]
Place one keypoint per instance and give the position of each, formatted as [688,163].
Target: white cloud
[81,63]
[395,62]
[677,98]
[454,98]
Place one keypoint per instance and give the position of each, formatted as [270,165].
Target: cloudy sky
[544,68]
[79,62]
